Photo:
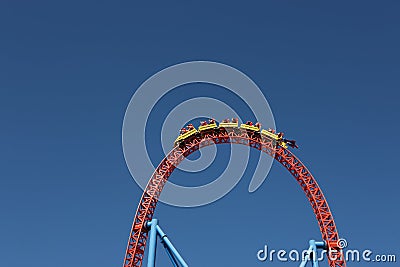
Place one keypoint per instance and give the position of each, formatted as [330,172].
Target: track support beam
[154,232]
[312,254]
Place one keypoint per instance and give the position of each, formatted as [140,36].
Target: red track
[138,236]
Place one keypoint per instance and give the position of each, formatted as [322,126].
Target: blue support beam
[151,260]
[171,257]
[177,260]
[154,231]
[312,253]
[171,247]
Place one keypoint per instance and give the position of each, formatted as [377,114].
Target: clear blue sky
[330,72]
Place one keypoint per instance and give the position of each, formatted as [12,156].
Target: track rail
[138,235]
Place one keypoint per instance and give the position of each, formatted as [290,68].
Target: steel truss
[144,213]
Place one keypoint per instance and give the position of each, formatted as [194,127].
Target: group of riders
[189,127]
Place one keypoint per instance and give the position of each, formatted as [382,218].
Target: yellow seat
[283,144]
[207,127]
[186,135]
[270,135]
[249,127]
[228,124]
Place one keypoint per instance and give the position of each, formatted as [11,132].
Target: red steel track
[138,236]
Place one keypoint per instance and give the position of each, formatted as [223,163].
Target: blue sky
[330,72]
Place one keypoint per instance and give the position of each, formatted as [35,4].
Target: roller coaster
[228,131]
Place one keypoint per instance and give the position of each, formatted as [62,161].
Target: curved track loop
[138,236]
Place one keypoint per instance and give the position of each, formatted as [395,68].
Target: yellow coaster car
[185,135]
[228,125]
[270,135]
[207,127]
[283,144]
[249,127]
